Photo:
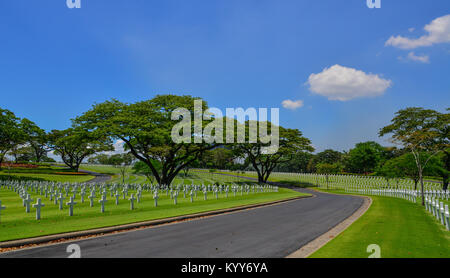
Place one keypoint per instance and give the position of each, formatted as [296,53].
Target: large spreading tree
[146,129]
[422,132]
[76,144]
[261,154]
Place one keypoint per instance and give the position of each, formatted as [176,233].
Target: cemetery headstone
[38,207]
[71,204]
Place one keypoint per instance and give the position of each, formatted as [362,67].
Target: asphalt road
[273,231]
[99,178]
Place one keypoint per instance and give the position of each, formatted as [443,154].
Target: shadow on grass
[19,178]
[294,183]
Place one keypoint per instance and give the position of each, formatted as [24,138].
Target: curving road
[272,231]
[99,178]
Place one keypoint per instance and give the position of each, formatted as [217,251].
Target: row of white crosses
[398,188]
[360,183]
[343,181]
[58,192]
[438,209]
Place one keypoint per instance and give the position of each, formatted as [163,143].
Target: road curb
[24,243]
[317,243]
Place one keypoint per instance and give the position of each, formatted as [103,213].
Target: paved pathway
[99,178]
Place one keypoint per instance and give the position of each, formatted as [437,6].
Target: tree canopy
[76,144]
[290,142]
[423,132]
[405,166]
[365,157]
[146,128]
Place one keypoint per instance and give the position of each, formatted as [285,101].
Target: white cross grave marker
[132,201]
[61,201]
[102,202]
[91,198]
[71,204]
[28,201]
[38,207]
[155,196]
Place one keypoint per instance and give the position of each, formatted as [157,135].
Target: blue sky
[56,62]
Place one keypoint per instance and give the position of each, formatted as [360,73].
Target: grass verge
[402,230]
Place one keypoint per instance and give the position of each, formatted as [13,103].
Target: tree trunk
[445,183]
[267,175]
[38,155]
[166,180]
[260,178]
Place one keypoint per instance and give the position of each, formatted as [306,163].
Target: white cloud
[411,30]
[293,105]
[118,148]
[418,58]
[51,154]
[342,83]
[438,32]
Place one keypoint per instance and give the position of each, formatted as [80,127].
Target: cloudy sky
[337,70]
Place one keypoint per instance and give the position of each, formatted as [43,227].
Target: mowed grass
[15,223]
[284,178]
[103,169]
[402,230]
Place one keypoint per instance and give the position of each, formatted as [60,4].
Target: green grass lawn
[402,230]
[276,177]
[15,223]
[103,169]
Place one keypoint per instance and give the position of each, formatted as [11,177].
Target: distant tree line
[422,149]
